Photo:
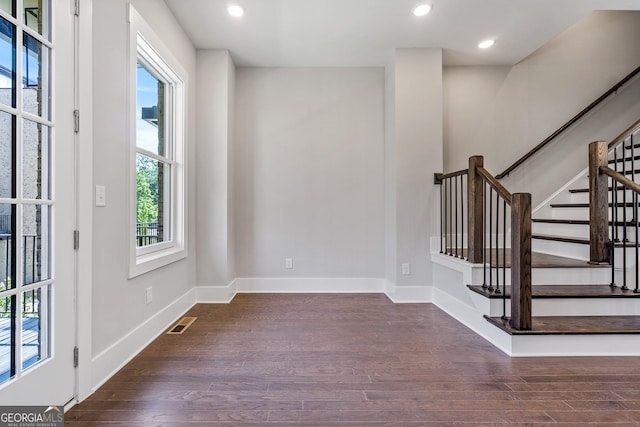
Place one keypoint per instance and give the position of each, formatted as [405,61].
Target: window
[157,132]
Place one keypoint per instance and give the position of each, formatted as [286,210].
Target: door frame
[85,384]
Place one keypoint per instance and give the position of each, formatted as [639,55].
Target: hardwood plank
[318,360]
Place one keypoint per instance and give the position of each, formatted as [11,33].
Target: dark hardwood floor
[325,360]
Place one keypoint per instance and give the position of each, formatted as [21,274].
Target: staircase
[577,306]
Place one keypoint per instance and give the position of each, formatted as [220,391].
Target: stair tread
[586,190]
[578,240]
[538,260]
[586,205]
[561,221]
[576,221]
[573,325]
[564,291]
[566,239]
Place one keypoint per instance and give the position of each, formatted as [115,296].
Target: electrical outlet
[149,295]
[406,269]
[288,263]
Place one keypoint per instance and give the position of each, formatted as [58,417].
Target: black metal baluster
[625,239]
[484,235]
[446,217]
[504,259]
[498,244]
[635,216]
[455,216]
[490,240]
[441,214]
[614,206]
[462,217]
[612,241]
[450,219]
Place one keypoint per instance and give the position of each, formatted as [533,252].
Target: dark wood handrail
[624,135]
[568,124]
[621,179]
[439,177]
[503,192]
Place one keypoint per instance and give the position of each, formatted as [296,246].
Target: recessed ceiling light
[486,44]
[422,9]
[235,11]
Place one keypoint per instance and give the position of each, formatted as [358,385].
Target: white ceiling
[316,33]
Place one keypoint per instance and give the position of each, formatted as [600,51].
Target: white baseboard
[110,361]
[408,294]
[257,285]
[316,285]
[216,294]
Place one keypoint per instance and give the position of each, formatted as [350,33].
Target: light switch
[101,195]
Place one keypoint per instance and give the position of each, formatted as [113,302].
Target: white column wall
[414,154]
[215,173]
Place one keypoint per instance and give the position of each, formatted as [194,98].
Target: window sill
[152,261]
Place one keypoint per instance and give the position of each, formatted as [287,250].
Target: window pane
[36,161]
[7,337]
[35,241]
[36,97]
[7,152]
[34,304]
[150,112]
[7,251]
[152,201]
[8,6]
[36,13]
[7,63]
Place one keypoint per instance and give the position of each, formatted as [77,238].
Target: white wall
[502,112]
[119,307]
[310,172]
[414,154]
[215,176]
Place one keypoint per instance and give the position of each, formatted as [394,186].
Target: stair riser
[575,307]
[579,251]
[570,213]
[569,230]
[570,250]
[552,276]
[582,213]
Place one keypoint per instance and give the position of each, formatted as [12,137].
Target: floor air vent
[182,325]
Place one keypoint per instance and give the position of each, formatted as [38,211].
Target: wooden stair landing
[564,291]
[538,260]
[574,325]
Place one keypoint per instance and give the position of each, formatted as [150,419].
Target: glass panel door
[37,327]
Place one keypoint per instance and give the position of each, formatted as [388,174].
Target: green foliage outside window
[146,189]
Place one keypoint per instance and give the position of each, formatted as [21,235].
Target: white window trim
[143,260]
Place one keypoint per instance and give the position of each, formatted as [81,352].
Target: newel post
[598,203]
[475,189]
[521,261]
